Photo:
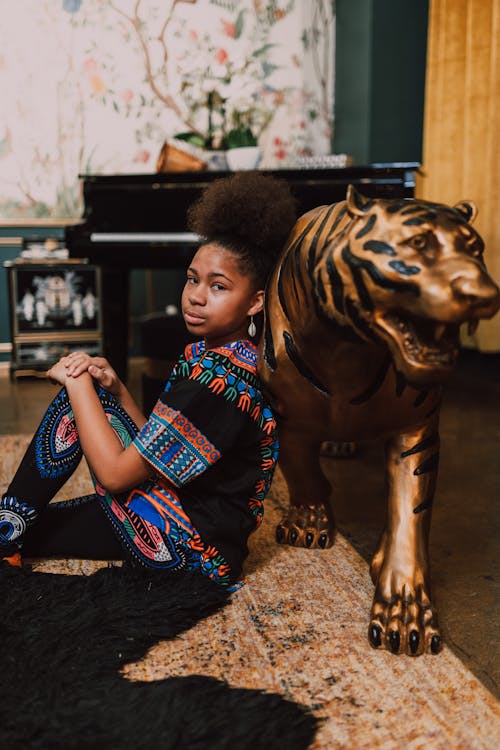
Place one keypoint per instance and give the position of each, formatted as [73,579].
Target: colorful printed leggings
[97,526]
[76,527]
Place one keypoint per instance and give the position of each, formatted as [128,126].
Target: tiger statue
[361,329]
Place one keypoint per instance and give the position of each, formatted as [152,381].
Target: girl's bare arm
[103,373]
[116,468]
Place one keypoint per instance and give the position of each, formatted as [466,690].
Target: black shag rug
[63,640]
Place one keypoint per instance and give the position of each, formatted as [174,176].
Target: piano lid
[158,203]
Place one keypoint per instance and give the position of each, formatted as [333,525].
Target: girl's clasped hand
[76,363]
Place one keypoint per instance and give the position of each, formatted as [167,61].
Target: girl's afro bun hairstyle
[248,213]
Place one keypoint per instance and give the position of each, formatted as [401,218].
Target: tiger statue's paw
[404,623]
[333,449]
[307,526]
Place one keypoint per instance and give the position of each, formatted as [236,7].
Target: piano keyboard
[171,238]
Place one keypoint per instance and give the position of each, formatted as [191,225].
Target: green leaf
[262,50]
[240,137]
[239,25]
[194,138]
[268,68]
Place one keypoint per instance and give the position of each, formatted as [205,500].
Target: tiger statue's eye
[418,242]
[476,249]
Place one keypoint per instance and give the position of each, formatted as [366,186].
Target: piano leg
[115,312]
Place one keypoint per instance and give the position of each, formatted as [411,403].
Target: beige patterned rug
[298,627]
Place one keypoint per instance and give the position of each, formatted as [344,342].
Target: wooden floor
[464,539]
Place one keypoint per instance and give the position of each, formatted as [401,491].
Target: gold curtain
[462,124]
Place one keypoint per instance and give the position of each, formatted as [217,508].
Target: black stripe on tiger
[422,445]
[376,383]
[311,256]
[297,273]
[381,248]
[434,409]
[413,209]
[291,249]
[268,345]
[423,506]
[455,216]
[319,300]
[302,368]
[421,397]
[358,322]
[269,353]
[430,464]
[337,221]
[361,201]
[356,264]
[367,227]
[401,267]
[419,220]
[336,283]
[395,206]
[294,244]
[289,265]
[300,237]
[319,289]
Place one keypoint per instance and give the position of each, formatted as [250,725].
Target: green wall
[380,60]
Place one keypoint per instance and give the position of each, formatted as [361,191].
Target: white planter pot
[246,157]
[216,161]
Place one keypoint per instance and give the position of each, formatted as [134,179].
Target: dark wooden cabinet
[55,308]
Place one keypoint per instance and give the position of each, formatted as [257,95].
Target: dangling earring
[252,328]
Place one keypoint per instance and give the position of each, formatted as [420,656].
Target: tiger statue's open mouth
[419,346]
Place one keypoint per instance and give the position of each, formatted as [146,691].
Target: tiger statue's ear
[467,209]
[357,204]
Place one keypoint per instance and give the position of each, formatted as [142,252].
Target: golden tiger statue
[361,328]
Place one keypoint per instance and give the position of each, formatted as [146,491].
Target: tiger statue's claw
[405,623]
[308,526]
[334,449]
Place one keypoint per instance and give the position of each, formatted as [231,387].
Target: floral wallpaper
[96,86]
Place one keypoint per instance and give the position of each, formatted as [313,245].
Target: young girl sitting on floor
[184,489]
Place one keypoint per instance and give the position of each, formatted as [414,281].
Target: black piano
[139,221]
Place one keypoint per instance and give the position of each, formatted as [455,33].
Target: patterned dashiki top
[213,436]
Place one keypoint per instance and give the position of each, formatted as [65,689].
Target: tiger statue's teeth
[472,327]
[439,332]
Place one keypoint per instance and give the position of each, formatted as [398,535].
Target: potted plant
[242,145]
[218,147]
[209,145]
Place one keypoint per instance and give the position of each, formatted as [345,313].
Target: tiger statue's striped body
[361,329]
